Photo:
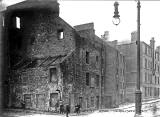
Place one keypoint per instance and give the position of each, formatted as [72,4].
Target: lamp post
[116,19]
[138,91]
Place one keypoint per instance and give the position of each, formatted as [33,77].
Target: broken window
[53,99]
[53,75]
[60,34]
[18,25]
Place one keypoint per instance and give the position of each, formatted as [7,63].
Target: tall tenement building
[149,68]
[48,62]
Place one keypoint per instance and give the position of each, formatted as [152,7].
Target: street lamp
[116,19]
[138,91]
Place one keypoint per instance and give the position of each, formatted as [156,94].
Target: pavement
[124,110]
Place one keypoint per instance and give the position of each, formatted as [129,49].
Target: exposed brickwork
[41,50]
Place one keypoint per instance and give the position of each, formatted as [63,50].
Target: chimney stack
[105,36]
[134,36]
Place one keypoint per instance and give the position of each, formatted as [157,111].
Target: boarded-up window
[53,75]
[27,100]
[92,101]
[40,98]
[53,99]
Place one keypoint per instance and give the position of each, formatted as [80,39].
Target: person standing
[67,110]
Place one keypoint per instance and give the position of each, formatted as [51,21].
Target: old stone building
[148,68]
[49,62]
[42,52]
[115,74]
[112,68]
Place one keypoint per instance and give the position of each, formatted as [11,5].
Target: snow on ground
[42,115]
[97,114]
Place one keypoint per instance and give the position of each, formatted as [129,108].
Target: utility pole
[138,91]
[116,21]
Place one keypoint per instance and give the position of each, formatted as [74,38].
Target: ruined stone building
[149,68]
[48,62]
[112,69]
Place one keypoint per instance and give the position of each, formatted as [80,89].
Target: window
[97,102]
[97,59]
[149,51]
[97,81]
[92,101]
[145,49]
[53,99]
[155,80]
[87,79]
[3,21]
[154,91]
[18,25]
[145,63]
[27,100]
[150,91]
[146,78]
[60,34]
[80,101]
[53,75]
[145,89]
[87,57]
[87,102]
[92,82]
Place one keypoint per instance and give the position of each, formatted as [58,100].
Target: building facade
[149,73]
[51,63]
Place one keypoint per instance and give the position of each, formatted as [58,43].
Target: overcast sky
[101,13]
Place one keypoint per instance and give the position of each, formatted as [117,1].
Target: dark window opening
[87,79]
[97,59]
[97,80]
[87,57]
[92,101]
[53,75]
[60,34]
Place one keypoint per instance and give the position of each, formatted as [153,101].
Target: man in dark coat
[67,110]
